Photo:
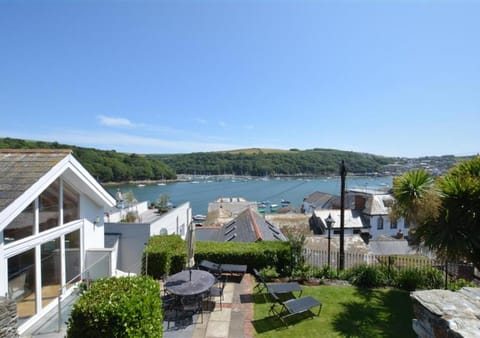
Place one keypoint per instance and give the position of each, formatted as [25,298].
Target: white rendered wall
[133,237]
[173,222]
[93,234]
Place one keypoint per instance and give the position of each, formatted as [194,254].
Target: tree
[163,204]
[415,198]
[454,234]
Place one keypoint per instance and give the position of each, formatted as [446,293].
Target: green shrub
[419,278]
[367,276]
[118,307]
[255,255]
[268,273]
[460,283]
[167,254]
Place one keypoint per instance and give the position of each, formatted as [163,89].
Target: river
[201,192]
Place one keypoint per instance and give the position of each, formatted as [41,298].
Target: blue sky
[394,78]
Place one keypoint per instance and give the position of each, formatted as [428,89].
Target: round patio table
[189,282]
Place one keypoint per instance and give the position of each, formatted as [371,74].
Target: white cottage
[51,229]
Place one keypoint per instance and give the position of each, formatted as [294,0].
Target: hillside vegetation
[110,166]
[260,162]
[106,166]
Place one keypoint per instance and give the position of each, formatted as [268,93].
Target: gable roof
[250,226]
[19,169]
[26,173]
[322,200]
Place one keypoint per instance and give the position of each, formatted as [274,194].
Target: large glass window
[51,270]
[21,283]
[72,256]
[49,208]
[71,203]
[22,226]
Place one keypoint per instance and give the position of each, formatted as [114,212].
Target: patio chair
[277,288]
[293,307]
[217,289]
[193,304]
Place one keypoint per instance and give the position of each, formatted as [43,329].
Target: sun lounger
[294,306]
[278,288]
[222,268]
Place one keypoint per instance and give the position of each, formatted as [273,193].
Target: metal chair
[193,304]
[217,289]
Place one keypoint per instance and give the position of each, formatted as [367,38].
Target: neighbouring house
[129,238]
[375,206]
[353,224]
[248,226]
[370,208]
[224,209]
[319,200]
[51,229]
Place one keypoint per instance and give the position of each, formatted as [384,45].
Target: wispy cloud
[222,124]
[123,142]
[114,121]
[201,121]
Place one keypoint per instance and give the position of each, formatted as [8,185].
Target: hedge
[118,307]
[164,255]
[167,254]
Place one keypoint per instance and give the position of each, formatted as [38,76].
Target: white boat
[140,185]
[161,183]
[199,218]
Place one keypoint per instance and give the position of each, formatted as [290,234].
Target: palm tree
[455,233]
[415,197]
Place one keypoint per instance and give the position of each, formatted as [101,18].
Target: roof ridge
[32,151]
[255,225]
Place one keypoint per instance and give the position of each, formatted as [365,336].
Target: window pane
[51,271]
[21,227]
[72,256]
[49,207]
[71,201]
[21,283]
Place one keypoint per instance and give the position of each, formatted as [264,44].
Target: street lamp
[330,222]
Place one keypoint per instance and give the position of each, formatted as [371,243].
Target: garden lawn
[347,312]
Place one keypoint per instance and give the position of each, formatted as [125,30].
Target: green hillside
[106,166]
[260,162]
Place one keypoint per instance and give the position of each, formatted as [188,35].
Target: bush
[269,273]
[167,254]
[118,307]
[460,283]
[419,278]
[367,276]
[255,255]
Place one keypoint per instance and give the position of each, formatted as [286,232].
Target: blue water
[201,192]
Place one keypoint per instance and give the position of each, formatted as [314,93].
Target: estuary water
[202,191]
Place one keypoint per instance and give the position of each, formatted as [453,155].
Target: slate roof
[21,168]
[248,226]
[390,246]
[352,218]
[323,200]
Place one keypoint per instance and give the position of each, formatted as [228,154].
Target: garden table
[189,282]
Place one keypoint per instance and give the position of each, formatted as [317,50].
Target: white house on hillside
[375,207]
[51,228]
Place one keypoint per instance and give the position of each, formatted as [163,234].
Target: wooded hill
[111,166]
[106,166]
[272,162]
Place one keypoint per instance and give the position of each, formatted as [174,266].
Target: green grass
[347,312]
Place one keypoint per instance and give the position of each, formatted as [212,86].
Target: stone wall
[447,314]
[8,318]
